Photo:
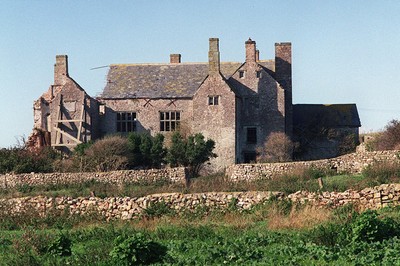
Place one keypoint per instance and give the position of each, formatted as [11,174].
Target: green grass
[216,239]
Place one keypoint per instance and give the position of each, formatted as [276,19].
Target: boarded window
[126,121]
[251,135]
[170,121]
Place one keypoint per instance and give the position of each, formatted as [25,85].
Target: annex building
[237,104]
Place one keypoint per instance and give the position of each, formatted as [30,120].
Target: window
[126,122]
[213,100]
[169,121]
[251,135]
[241,74]
[259,74]
[249,157]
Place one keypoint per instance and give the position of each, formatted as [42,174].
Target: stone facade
[236,104]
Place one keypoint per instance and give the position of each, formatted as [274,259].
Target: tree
[146,150]
[192,152]
[277,148]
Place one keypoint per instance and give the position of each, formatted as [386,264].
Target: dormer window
[241,74]
[213,100]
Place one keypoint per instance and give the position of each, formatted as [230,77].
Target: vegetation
[389,139]
[275,232]
[277,148]
[191,152]
[113,153]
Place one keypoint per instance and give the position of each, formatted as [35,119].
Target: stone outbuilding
[237,104]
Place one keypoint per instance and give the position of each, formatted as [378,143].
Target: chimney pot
[250,50]
[213,57]
[175,58]
[60,69]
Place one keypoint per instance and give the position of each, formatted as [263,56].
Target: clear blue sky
[343,51]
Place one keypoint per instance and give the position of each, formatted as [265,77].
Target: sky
[343,51]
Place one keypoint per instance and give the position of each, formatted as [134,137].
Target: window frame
[126,121]
[169,120]
[251,135]
[213,100]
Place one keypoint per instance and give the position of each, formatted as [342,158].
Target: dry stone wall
[117,177]
[350,163]
[127,208]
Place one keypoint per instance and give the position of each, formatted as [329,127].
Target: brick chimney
[283,74]
[60,69]
[250,50]
[175,58]
[213,57]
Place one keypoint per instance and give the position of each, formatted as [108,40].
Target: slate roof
[162,80]
[326,115]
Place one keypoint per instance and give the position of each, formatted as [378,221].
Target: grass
[273,233]
[299,179]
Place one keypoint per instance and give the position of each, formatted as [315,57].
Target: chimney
[60,69]
[213,57]
[175,58]
[257,55]
[283,74]
[250,50]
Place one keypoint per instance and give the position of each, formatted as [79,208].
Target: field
[272,233]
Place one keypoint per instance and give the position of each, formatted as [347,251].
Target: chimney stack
[60,69]
[175,58]
[250,50]
[283,74]
[213,57]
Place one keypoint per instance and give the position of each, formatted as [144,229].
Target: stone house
[236,104]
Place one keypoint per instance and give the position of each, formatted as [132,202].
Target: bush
[22,160]
[146,150]
[60,246]
[108,154]
[157,209]
[277,148]
[192,152]
[367,227]
[389,139]
[136,250]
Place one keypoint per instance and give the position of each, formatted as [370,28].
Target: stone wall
[116,177]
[350,163]
[129,208]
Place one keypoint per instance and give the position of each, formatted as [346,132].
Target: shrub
[192,152]
[146,150]
[136,250]
[367,227]
[60,246]
[381,173]
[107,154]
[277,148]
[157,209]
[389,139]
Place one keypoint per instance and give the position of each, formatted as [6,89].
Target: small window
[251,135]
[259,74]
[126,121]
[170,121]
[213,100]
[241,74]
